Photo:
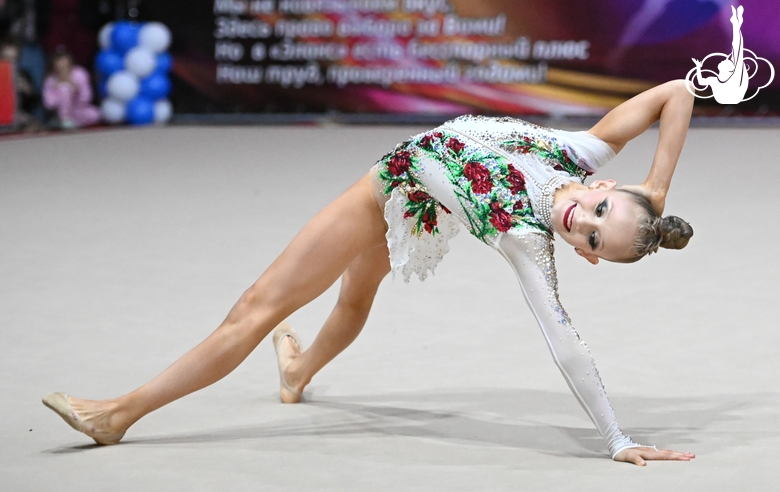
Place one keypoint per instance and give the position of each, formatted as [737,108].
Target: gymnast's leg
[315,258]
[358,289]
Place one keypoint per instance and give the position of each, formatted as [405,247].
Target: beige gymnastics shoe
[287,393]
[60,404]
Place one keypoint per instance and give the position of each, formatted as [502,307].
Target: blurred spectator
[27,97]
[68,91]
[48,25]
[24,21]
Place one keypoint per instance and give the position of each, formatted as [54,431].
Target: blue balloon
[155,86]
[140,111]
[164,62]
[124,36]
[108,62]
[102,89]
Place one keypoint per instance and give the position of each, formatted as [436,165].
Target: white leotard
[528,249]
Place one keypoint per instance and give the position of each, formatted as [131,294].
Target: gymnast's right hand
[640,455]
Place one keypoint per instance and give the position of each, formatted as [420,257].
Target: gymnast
[731,84]
[512,184]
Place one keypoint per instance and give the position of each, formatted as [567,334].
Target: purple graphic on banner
[558,57]
[735,70]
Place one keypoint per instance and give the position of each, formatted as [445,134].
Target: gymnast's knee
[261,301]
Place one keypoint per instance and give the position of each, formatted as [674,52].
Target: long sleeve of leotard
[531,257]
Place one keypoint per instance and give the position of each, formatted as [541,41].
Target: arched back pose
[511,183]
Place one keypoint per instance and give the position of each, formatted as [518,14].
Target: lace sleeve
[531,257]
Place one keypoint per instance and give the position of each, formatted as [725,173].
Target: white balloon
[113,110]
[140,61]
[123,85]
[104,36]
[154,36]
[163,110]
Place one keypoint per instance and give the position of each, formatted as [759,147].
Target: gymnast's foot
[736,15]
[288,349]
[93,418]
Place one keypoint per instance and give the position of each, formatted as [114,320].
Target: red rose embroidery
[516,180]
[400,163]
[438,134]
[429,221]
[479,176]
[500,218]
[455,145]
[408,214]
[518,206]
[419,196]
[525,147]
[426,141]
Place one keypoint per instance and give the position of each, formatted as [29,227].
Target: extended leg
[315,258]
[358,289]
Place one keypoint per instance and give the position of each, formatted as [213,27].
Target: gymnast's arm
[531,257]
[702,81]
[671,103]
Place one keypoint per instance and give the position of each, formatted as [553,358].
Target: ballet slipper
[287,393]
[62,407]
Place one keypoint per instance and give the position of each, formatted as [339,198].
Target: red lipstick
[568,218]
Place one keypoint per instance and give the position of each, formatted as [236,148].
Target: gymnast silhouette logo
[730,84]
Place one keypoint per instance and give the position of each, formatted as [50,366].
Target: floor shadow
[506,418]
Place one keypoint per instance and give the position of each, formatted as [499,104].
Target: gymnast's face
[599,221]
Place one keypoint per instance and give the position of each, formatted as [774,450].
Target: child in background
[67,91]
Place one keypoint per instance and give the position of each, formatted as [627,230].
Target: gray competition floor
[120,250]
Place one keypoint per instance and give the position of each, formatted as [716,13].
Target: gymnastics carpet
[123,249]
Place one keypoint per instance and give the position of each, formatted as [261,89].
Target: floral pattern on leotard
[396,171]
[489,188]
[550,151]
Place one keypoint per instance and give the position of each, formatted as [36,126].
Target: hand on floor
[638,455]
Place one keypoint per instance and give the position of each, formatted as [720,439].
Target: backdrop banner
[523,57]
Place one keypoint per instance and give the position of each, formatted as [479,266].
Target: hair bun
[675,232]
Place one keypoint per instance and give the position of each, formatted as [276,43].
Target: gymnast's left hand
[657,198]
[639,456]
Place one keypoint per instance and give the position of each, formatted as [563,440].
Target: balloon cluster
[133,67]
